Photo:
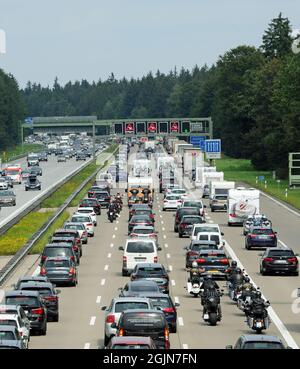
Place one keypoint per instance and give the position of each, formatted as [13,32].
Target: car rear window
[81,219]
[139,218]
[263,231]
[126,346]
[10,322]
[57,264]
[22,300]
[75,227]
[57,251]
[143,321]
[178,191]
[143,231]
[84,211]
[163,302]
[205,229]
[140,247]
[192,204]
[150,271]
[213,254]
[191,220]
[64,234]
[6,336]
[221,197]
[139,287]
[173,198]
[204,247]
[122,306]
[263,345]
[286,253]
[41,291]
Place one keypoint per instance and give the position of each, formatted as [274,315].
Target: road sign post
[213,149]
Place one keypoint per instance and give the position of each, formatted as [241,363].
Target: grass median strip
[241,170]
[19,150]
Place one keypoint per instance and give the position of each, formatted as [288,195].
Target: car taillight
[43,271]
[133,235]
[183,225]
[155,259]
[78,240]
[192,253]
[81,205]
[72,271]
[201,261]
[268,260]
[39,311]
[89,225]
[110,319]
[72,258]
[121,332]
[75,248]
[252,235]
[292,260]
[233,215]
[124,260]
[224,261]
[152,235]
[169,310]
[51,298]
[166,334]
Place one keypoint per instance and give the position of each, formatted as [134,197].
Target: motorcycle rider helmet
[208,277]
[194,264]
[258,294]
[247,279]
[234,263]
[238,271]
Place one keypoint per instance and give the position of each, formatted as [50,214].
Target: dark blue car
[260,237]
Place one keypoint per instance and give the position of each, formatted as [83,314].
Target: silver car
[117,306]
[80,228]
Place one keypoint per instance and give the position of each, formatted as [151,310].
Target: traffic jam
[143,314]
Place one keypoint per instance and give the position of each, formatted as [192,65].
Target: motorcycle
[258,322]
[193,286]
[111,216]
[212,314]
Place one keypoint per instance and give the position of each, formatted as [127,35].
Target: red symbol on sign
[129,128]
[152,127]
[174,127]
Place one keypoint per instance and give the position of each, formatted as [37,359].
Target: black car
[181,212]
[154,272]
[139,287]
[33,305]
[260,237]
[139,220]
[80,156]
[279,260]
[7,197]
[30,278]
[36,170]
[91,203]
[60,270]
[149,323]
[48,295]
[102,196]
[71,240]
[43,156]
[58,250]
[32,183]
[186,225]
[193,250]
[164,302]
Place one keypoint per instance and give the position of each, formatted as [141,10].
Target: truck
[220,187]
[14,171]
[165,162]
[149,146]
[192,159]
[241,203]
[140,190]
[199,174]
[141,167]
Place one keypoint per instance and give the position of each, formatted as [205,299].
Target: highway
[81,318]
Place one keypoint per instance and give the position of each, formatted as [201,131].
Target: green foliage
[18,150]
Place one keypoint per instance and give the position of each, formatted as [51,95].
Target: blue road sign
[261,178]
[29,120]
[198,141]
[213,149]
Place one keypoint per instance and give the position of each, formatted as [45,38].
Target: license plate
[206,316]
[140,259]
[213,271]
[263,237]
[280,262]
[258,324]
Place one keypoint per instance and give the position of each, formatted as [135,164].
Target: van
[211,236]
[205,227]
[137,251]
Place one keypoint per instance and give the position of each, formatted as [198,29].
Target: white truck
[192,158]
[141,167]
[199,174]
[241,203]
[150,146]
[165,162]
[220,187]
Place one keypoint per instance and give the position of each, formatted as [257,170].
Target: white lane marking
[160,215]
[210,221]
[274,317]
[180,321]
[168,256]
[103,282]
[170,268]
[98,300]
[37,271]
[163,228]
[283,244]
[116,228]
[106,267]
[162,222]
[87,346]
[185,346]
[159,210]
[93,320]
[109,255]
[111,245]
[176,300]
[165,236]
[279,203]
[173,282]
[166,245]
[114,236]
[207,217]
[117,222]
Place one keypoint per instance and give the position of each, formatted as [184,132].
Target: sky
[90,39]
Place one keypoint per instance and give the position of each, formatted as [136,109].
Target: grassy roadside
[17,150]
[111,148]
[241,170]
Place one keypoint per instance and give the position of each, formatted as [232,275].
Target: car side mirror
[204,206]
[275,232]
[103,308]
[229,347]
[159,248]
[260,254]
[222,233]
[176,304]
[121,248]
[58,292]
[120,288]
[126,190]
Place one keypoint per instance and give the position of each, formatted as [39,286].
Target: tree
[277,40]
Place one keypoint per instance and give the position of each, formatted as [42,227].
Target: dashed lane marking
[106,267]
[87,346]
[180,321]
[103,282]
[185,346]
[109,255]
[98,299]
[173,282]
[93,320]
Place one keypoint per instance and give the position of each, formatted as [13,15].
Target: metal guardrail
[18,257]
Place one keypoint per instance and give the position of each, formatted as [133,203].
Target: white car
[179,191]
[14,320]
[205,227]
[89,211]
[169,187]
[3,184]
[172,202]
[191,203]
[80,228]
[211,236]
[136,251]
[86,220]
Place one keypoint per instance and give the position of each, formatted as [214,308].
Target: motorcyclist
[231,269]
[236,277]
[195,272]
[257,306]
[207,282]
[211,292]
[111,208]
[247,289]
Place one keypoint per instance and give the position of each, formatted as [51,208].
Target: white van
[205,227]
[242,202]
[211,236]
[138,251]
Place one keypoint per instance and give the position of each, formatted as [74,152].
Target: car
[36,170]
[205,227]
[9,181]
[165,303]
[32,159]
[180,212]
[80,156]
[206,191]
[279,260]
[43,156]
[3,184]
[137,288]
[214,263]
[58,250]
[11,333]
[60,270]
[148,212]
[135,220]
[80,228]
[89,211]
[94,203]
[191,203]
[25,174]
[12,345]
[131,342]
[77,248]
[186,224]
[99,187]
[14,321]
[193,250]
[172,202]
[33,306]
[103,197]
[49,295]
[113,312]
[180,192]
[218,202]
[33,183]
[15,310]
[62,158]
[258,341]
[145,323]
[144,232]
[154,272]
[260,237]
[7,197]
[30,278]
[255,220]
[167,185]
[211,236]
[68,234]
[138,251]
[87,221]
[135,207]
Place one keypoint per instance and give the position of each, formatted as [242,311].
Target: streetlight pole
[94,142]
